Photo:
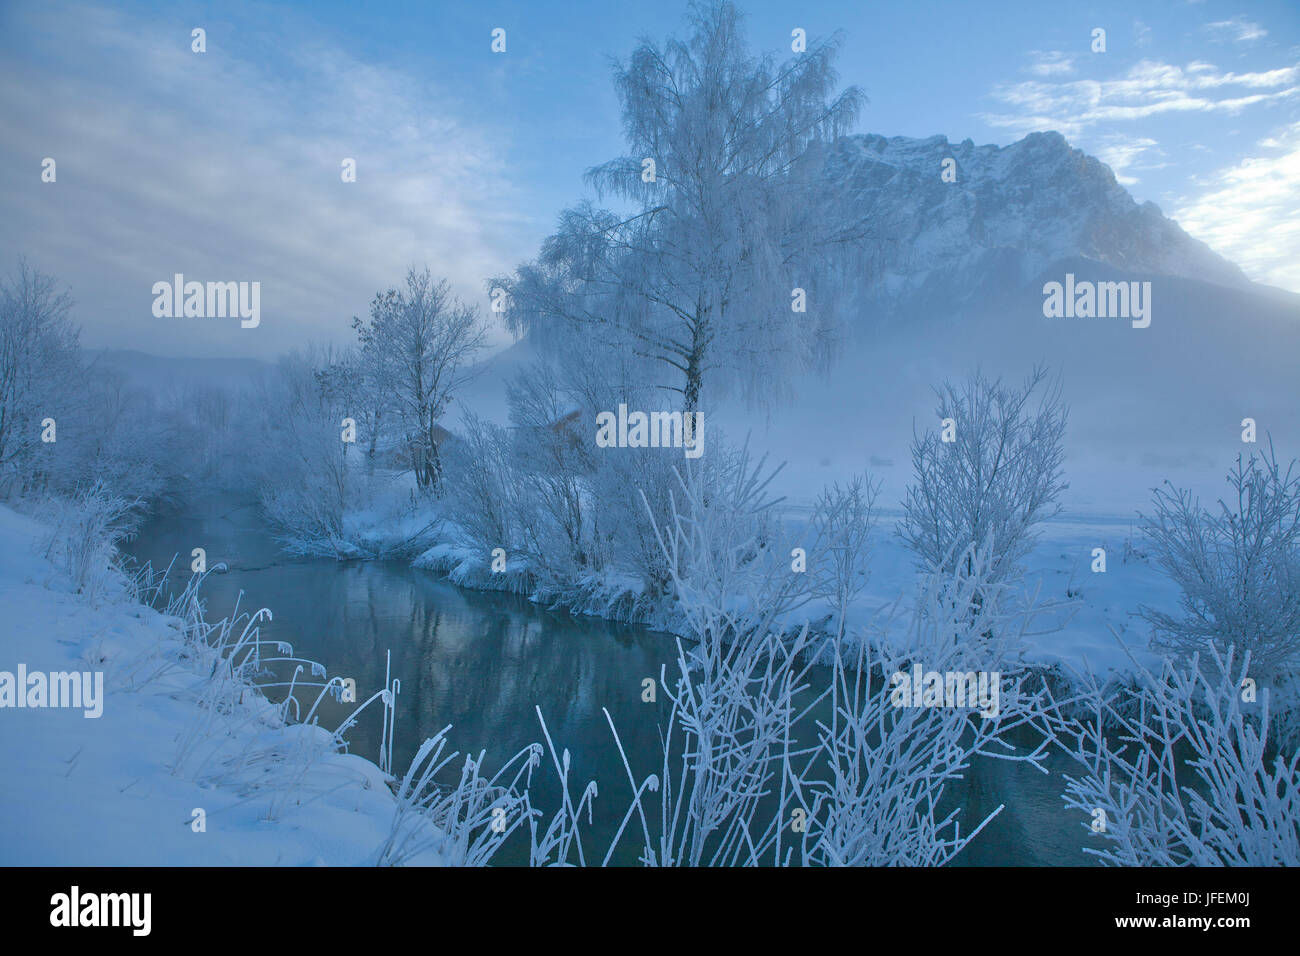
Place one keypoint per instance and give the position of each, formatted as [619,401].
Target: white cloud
[1122,153]
[1250,212]
[1147,89]
[1236,30]
[1050,63]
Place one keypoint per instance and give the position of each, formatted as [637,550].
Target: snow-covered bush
[481,487]
[997,477]
[552,469]
[1238,569]
[600,376]
[1179,769]
[727,745]
[843,517]
[298,459]
[733,700]
[84,530]
[720,546]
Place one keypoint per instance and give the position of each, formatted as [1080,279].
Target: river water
[482,661]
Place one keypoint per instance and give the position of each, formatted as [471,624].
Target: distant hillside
[141,368]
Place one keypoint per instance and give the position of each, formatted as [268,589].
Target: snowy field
[1089,608]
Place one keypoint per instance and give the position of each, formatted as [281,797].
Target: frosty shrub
[481,486]
[740,689]
[744,754]
[874,787]
[1182,771]
[843,518]
[298,459]
[719,540]
[1238,568]
[999,476]
[631,491]
[84,531]
[553,462]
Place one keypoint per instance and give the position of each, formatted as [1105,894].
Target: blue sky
[225,165]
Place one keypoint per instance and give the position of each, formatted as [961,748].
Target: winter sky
[225,165]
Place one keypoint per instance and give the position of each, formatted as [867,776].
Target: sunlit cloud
[1250,212]
[1123,154]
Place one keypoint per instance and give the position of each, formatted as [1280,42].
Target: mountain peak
[1021,207]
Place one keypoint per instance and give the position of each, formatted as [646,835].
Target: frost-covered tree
[999,475]
[1238,569]
[39,357]
[115,439]
[298,459]
[724,215]
[418,349]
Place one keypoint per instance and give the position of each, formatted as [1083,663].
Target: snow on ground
[100,791]
[1058,570]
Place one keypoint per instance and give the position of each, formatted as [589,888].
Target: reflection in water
[482,661]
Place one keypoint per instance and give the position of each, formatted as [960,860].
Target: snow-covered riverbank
[108,790]
[1090,607]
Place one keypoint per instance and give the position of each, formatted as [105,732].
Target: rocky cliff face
[1012,212]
